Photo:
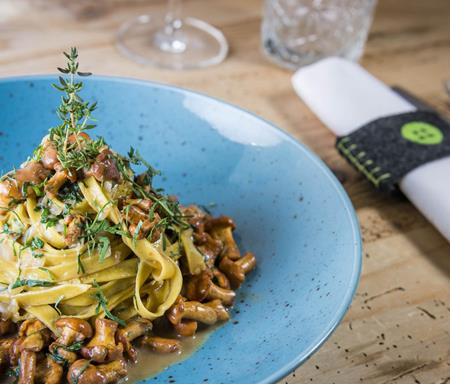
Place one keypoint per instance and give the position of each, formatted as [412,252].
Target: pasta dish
[95,260]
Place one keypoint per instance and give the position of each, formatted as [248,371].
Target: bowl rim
[303,356]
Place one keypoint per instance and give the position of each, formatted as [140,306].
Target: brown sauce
[150,363]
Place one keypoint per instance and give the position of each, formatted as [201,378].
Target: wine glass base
[196,44]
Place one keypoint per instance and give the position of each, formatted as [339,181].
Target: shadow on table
[403,217]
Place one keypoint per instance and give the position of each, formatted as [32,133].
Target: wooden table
[397,330]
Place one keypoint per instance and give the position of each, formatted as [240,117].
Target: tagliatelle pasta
[56,273]
[85,242]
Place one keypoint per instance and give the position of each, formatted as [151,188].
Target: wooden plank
[397,330]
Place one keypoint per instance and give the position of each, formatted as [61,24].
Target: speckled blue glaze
[289,209]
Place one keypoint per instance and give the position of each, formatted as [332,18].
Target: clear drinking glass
[299,32]
[172,41]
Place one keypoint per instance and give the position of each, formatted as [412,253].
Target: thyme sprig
[74,150]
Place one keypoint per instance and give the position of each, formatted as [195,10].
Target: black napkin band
[387,148]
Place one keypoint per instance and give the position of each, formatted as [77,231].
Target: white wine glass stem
[170,38]
[173,15]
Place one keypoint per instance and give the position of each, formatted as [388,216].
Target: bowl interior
[289,209]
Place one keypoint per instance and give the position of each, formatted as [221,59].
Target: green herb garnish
[5,229]
[36,245]
[48,219]
[103,247]
[165,207]
[58,358]
[70,348]
[80,267]
[32,283]
[74,150]
[134,157]
[103,304]
[70,194]
[93,230]
[136,232]
[14,372]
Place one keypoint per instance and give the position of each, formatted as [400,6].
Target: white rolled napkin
[344,96]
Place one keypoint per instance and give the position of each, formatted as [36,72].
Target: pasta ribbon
[194,258]
[81,207]
[45,295]
[70,269]
[45,313]
[173,287]
[152,265]
[127,268]
[162,266]
[49,234]
[94,309]
[109,289]
[94,195]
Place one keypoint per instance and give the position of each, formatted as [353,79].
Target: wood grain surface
[397,330]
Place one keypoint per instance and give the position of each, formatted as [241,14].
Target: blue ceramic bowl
[289,209]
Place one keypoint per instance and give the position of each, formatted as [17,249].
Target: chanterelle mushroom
[6,327]
[27,368]
[221,312]
[55,183]
[33,337]
[105,168]
[209,247]
[49,157]
[5,345]
[134,329]
[71,330]
[221,279]
[192,310]
[9,191]
[82,372]
[48,372]
[138,218]
[219,222]
[102,347]
[236,270]
[175,316]
[221,228]
[186,328]
[161,344]
[74,224]
[33,172]
[201,287]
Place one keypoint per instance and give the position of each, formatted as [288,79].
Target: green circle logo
[422,133]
